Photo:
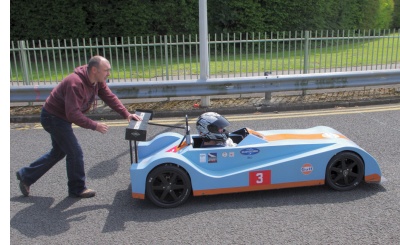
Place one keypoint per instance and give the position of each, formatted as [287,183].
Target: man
[211,127]
[67,104]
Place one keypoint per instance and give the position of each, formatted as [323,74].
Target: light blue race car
[172,167]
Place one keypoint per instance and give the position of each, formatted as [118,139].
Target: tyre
[344,171]
[168,186]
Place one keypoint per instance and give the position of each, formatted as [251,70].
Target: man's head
[211,126]
[98,69]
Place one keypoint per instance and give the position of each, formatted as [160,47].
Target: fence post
[24,59]
[267,95]
[166,56]
[306,44]
[306,55]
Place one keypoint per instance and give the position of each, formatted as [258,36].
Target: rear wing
[137,130]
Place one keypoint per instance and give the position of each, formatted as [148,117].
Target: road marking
[257,116]
[279,115]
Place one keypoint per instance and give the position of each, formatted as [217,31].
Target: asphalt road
[369,214]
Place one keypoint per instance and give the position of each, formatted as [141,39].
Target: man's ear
[94,69]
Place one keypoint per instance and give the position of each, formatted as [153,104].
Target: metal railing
[227,86]
[175,58]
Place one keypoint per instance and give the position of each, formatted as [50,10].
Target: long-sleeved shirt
[75,95]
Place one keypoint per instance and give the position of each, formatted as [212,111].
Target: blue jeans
[64,144]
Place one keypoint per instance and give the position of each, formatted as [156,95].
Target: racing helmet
[209,124]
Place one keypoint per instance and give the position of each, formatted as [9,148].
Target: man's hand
[134,117]
[102,128]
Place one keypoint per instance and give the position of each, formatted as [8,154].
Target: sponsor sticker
[231,154]
[212,158]
[224,154]
[137,125]
[249,151]
[306,169]
[202,157]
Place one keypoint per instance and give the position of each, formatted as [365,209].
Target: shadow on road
[41,219]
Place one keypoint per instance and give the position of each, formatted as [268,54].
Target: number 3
[260,178]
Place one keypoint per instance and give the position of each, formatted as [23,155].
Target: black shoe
[22,186]
[87,193]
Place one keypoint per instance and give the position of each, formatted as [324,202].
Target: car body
[171,167]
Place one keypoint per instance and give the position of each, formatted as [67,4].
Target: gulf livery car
[172,167]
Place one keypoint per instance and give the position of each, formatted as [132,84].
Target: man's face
[103,71]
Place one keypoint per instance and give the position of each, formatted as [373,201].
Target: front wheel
[344,171]
[168,186]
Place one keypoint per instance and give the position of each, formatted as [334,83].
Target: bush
[59,19]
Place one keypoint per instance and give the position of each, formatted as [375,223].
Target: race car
[172,167]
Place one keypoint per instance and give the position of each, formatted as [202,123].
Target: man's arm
[112,101]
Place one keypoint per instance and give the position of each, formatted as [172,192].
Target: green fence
[159,58]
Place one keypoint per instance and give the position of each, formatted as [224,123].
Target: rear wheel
[168,186]
[344,171]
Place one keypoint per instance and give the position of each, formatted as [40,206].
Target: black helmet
[209,124]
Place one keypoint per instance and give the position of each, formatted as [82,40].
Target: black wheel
[168,186]
[344,171]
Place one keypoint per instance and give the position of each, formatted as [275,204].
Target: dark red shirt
[75,95]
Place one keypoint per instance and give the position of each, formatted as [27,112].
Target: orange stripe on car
[276,137]
[257,188]
[299,137]
[373,178]
[137,195]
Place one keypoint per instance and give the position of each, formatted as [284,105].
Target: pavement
[235,104]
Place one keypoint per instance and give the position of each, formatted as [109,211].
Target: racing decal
[307,168]
[138,123]
[330,135]
[173,149]
[212,158]
[249,151]
[253,132]
[177,147]
[230,154]
[276,137]
[202,157]
[260,177]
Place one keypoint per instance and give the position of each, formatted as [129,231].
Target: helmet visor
[218,124]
